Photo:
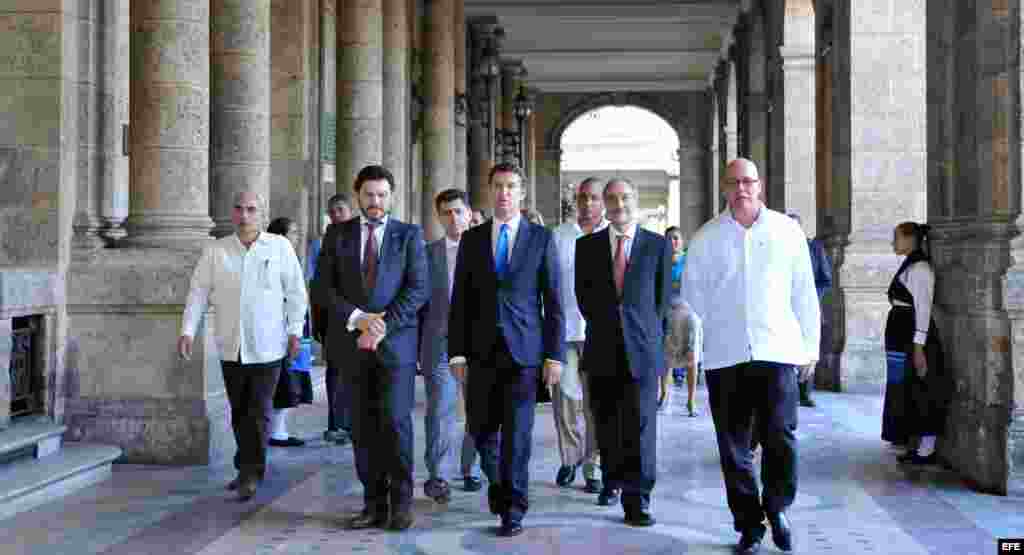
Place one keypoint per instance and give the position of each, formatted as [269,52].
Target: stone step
[38,432]
[29,482]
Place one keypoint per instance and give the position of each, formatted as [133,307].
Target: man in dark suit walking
[372,280]
[623,281]
[505,272]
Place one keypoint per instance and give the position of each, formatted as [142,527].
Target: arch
[553,138]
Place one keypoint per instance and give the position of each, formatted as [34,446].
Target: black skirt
[293,388]
[913,406]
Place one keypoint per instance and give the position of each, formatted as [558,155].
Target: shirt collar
[262,238]
[383,222]
[757,220]
[449,243]
[630,231]
[600,225]
[513,224]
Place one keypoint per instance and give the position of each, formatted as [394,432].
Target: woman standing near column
[293,387]
[917,388]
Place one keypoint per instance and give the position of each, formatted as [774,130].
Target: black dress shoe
[639,517]
[592,486]
[510,527]
[749,544]
[367,519]
[233,484]
[566,475]
[472,483]
[905,457]
[916,459]
[438,490]
[782,535]
[401,520]
[290,442]
[247,489]
[608,497]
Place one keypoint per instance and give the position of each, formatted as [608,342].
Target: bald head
[741,186]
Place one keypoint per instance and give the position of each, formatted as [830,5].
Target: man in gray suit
[453,211]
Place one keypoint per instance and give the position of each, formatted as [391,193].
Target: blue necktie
[501,253]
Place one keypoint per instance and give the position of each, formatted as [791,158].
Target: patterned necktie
[620,264]
[370,257]
[501,253]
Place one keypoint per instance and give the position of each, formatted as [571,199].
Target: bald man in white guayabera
[748,276]
[254,282]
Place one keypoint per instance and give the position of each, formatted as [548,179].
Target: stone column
[480,144]
[328,124]
[114,85]
[87,213]
[396,99]
[879,174]
[512,74]
[692,154]
[530,151]
[714,155]
[240,104]
[731,127]
[360,87]
[461,116]
[548,184]
[974,204]
[294,45]
[438,145]
[753,122]
[170,114]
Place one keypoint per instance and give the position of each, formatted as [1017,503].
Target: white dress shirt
[627,246]
[919,279]
[258,295]
[378,234]
[565,239]
[513,230]
[754,291]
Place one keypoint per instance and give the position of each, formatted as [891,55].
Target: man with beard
[372,281]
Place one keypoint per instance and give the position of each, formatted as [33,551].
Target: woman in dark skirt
[917,387]
[293,387]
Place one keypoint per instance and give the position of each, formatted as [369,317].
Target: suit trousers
[576,446]
[500,404]
[382,402]
[250,389]
[439,419]
[626,412]
[470,465]
[735,394]
[338,404]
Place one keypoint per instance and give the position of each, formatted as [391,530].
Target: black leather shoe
[592,486]
[247,489]
[472,483]
[292,441]
[905,457]
[782,535]
[639,517]
[438,490]
[401,520]
[916,459]
[495,499]
[566,475]
[749,544]
[608,497]
[233,484]
[367,519]
[510,527]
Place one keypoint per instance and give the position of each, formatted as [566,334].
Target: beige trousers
[576,446]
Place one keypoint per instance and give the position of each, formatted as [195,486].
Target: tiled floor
[853,498]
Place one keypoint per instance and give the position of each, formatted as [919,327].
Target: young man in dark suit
[372,280]
[623,281]
[506,270]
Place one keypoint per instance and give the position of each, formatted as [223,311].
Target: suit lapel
[608,263]
[488,247]
[351,242]
[441,261]
[634,253]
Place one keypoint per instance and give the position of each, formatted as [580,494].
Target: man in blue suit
[505,272]
[372,280]
[623,281]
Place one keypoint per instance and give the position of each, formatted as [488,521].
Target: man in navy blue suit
[372,280]
[623,281]
[505,326]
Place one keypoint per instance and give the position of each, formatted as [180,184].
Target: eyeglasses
[747,181]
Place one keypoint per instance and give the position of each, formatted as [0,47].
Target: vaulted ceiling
[601,45]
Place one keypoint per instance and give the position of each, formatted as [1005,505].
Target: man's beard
[372,219]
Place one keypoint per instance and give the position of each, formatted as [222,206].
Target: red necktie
[620,264]
[370,258]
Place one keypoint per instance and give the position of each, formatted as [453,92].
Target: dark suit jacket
[400,291]
[434,314]
[525,304]
[636,326]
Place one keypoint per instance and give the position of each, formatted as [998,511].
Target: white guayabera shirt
[258,295]
[754,291]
